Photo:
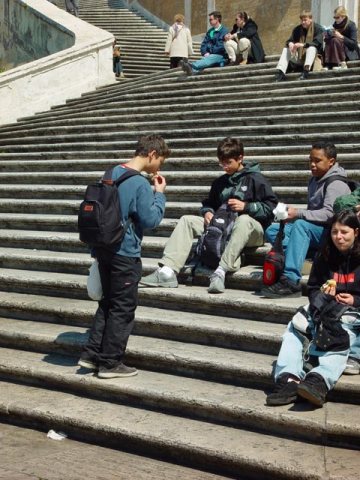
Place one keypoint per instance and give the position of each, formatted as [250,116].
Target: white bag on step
[94,287]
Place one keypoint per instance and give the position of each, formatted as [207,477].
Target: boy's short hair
[148,143]
[306,13]
[328,147]
[230,148]
[216,14]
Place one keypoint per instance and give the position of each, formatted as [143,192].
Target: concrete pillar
[210,6]
[187,12]
[323,10]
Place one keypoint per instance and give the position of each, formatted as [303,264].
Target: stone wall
[25,35]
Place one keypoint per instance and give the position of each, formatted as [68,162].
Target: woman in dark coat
[244,40]
[341,41]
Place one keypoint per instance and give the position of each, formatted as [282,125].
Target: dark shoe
[285,391]
[186,67]
[120,370]
[313,389]
[232,63]
[279,76]
[282,288]
[304,75]
[87,361]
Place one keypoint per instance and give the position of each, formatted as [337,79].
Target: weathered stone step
[179,141]
[71,207]
[268,123]
[198,151]
[224,449]
[255,117]
[189,359]
[267,92]
[236,406]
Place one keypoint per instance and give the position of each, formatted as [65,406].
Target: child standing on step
[120,269]
[247,193]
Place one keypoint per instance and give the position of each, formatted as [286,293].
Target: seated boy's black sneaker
[279,76]
[285,391]
[119,371]
[282,288]
[313,389]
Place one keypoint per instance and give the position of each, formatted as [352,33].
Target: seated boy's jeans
[211,60]
[299,237]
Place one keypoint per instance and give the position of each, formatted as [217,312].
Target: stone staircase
[205,360]
[142,43]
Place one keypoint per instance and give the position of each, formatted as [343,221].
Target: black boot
[313,389]
[285,391]
[279,76]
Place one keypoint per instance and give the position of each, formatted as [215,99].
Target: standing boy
[305,226]
[247,193]
[120,269]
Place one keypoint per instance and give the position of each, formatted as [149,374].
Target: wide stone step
[267,123]
[232,303]
[237,406]
[264,93]
[238,334]
[195,117]
[224,449]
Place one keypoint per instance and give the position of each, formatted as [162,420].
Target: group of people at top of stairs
[309,47]
[334,284]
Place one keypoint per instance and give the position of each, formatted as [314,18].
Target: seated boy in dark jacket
[248,193]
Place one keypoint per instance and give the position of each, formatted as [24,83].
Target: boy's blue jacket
[216,44]
[145,207]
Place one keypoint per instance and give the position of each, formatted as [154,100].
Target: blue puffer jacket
[215,44]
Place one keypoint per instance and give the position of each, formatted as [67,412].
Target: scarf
[340,27]
[307,36]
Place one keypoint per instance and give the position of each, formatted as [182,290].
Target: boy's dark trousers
[114,318]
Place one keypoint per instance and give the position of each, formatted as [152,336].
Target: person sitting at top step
[341,42]
[330,322]
[248,193]
[244,41]
[72,6]
[178,42]
[302,48]
[212,47]
[305,226]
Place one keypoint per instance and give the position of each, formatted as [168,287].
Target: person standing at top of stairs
[179,42]
[247,193]
[212,47]
[120,269]
[72,6]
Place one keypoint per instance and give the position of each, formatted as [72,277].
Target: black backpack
[212,242]
[100,219]
[274,262]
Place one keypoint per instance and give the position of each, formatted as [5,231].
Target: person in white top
[179,42]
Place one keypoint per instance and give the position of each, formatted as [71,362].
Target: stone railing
[81,65]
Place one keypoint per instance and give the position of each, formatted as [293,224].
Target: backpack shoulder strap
[278,247]
[107,177]
[334,178]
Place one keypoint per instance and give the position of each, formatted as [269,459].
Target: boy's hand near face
[159,183]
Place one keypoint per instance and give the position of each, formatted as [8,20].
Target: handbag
[94,287]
